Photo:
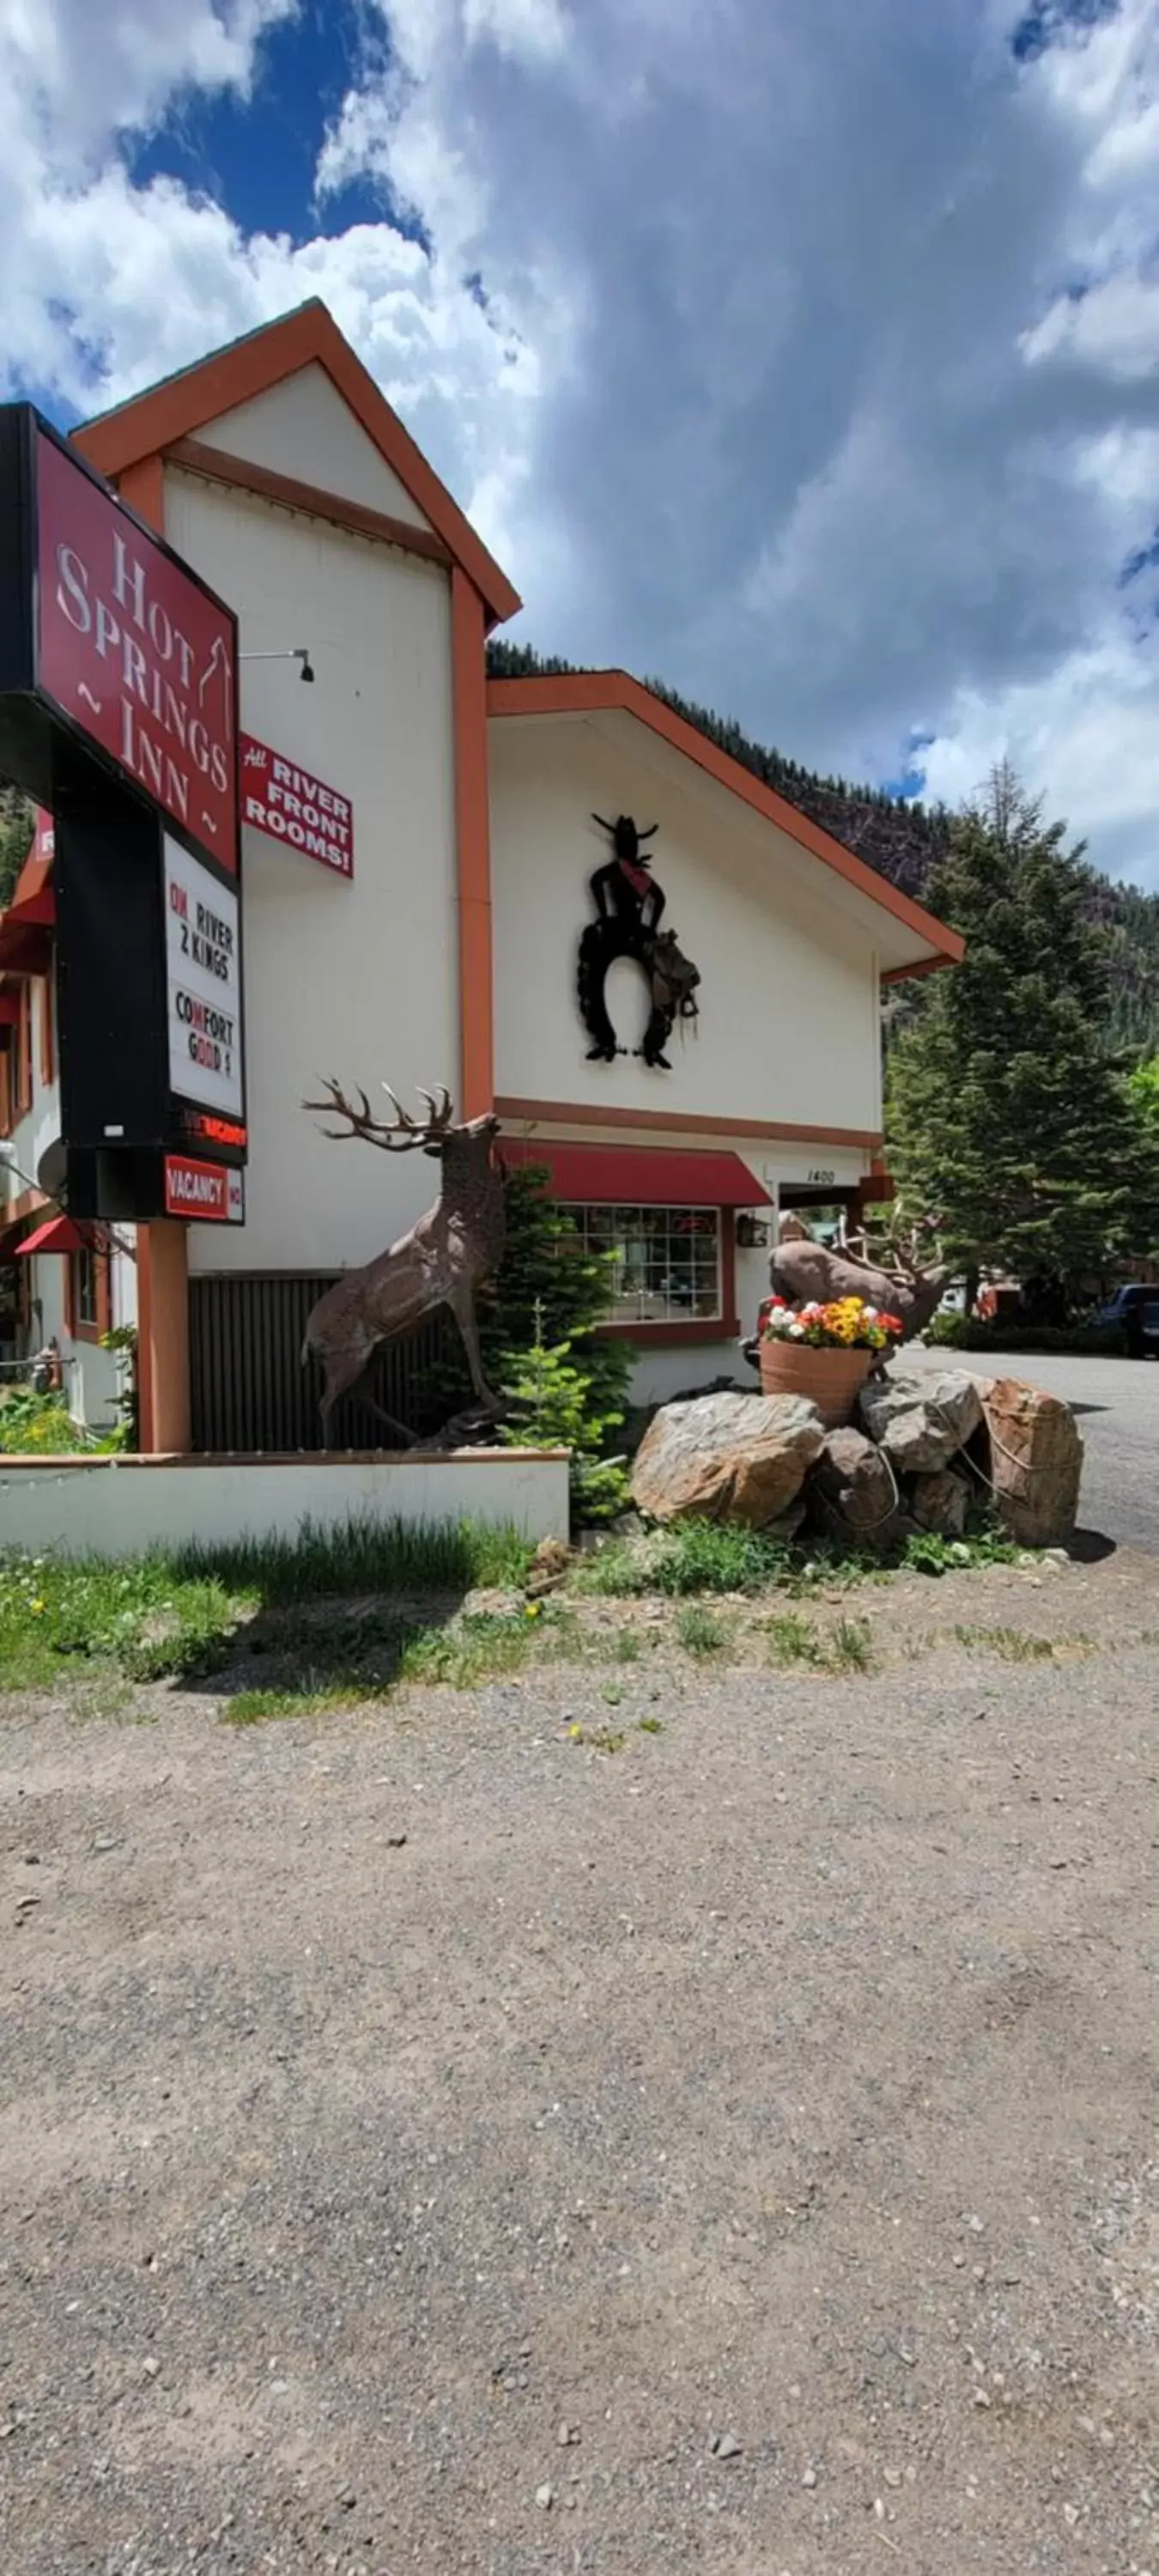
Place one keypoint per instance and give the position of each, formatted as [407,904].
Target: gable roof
[181,404]
[572,693]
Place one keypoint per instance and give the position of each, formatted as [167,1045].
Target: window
[84,1287]
[667,1267]
[22,1053]
[87,1308]
[46,1032]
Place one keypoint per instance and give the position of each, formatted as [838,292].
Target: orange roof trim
[598,692]
[182,404]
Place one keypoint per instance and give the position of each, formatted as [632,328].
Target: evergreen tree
[1007,1114]
[16,828]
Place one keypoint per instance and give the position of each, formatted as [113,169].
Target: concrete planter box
[125,1506]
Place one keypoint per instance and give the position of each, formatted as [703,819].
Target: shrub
[976,1333]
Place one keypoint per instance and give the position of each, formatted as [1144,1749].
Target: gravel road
[423,2136]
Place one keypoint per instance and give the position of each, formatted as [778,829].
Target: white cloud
[1084,737]
[803,354]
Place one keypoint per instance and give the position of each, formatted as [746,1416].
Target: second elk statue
[441,1261]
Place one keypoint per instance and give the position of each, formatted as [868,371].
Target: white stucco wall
[356,979]
[126,1507]
[304,429]
[91,1375]
[788,1027]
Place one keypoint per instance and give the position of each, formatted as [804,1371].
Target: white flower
[797,1332]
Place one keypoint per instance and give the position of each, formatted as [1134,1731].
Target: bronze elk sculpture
[803,1270]
[440,1261]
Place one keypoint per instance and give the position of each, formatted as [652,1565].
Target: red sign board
[203,1193]
[136,652]
[289,804]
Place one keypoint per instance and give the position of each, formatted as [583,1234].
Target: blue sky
[806,356]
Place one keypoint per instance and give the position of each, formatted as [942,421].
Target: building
[417,860]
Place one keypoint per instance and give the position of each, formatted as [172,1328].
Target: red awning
[26,934]
[639,1175]
[58,1235]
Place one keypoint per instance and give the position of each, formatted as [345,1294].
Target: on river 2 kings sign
[118,711]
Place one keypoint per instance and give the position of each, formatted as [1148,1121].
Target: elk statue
[443,1259]
[801,1270]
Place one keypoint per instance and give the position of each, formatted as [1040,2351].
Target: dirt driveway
[430,2141]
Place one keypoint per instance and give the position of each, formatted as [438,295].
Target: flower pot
[830,1379]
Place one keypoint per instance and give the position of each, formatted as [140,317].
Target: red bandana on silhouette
[636,875]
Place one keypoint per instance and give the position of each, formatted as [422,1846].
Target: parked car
[1134,1310]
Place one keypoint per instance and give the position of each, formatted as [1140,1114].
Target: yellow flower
[36,1607]
[532,1609]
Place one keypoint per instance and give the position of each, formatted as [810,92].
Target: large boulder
[726,1457]
[1036,1458]
[940,1502]
[921,1421]
[854,1490]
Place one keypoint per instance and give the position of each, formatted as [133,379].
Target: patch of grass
[626,1647]
[1014,1645]
[59,1617]
[692,1557]
[845,1649]
[930,1553]
[179,1615]
[793,1640]
[688,1557]
[258,1707]
[650,1725]
[363,1556]
[700,1631]
[849,1647]
[473,1650]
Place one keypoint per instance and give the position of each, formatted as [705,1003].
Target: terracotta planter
[832,1380]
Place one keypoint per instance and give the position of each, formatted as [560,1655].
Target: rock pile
[923,1449]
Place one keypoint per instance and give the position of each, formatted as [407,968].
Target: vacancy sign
[203,1193]
[136,651]
[204,984]
[289,805]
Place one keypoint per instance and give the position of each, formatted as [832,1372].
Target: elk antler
[395,1135]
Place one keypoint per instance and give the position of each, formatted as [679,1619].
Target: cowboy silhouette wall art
[629,909]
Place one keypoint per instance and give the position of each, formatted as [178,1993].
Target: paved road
[1117,1402]
[784,2080]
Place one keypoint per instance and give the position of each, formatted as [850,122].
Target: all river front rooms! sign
[289,805]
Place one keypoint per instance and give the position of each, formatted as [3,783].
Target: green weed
[793,1640]
[690,1557]
[929,1553]
[845,1649]
[700,1631]
[1014,1645]
[849,1647]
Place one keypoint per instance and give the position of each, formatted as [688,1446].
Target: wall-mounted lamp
[752,1233]
[297,653]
